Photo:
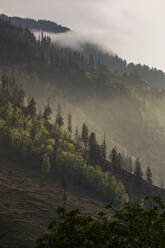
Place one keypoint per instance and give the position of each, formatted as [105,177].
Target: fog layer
[132,29]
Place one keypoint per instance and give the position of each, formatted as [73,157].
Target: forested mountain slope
[44,156]
[112,104]
[153,76]
[117,65]
[42,167]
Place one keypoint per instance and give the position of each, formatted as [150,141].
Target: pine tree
[113,156]
[119,161]
[138,171]
[47,112]
[70,123]
[84,136]
[59,117]
[32,107]
[149,175]
[103,149]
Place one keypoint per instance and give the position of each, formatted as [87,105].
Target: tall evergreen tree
[70,122]
[119,161]
[114,158]
[47,112]
[138,171]
[32,107]
[84,136]
[59,117]
[149,175]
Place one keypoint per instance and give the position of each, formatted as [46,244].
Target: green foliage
[33,141]
[132,226]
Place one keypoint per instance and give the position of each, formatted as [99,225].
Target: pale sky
[134,29]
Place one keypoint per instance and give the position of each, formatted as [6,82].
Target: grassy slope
[29,201]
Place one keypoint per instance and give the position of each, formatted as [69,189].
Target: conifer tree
[103,149]
[84,136]
[138,171]
[32,107]
[70,122]
[119,161]
[59,117]
[113,157]
[47,112]
[149,175]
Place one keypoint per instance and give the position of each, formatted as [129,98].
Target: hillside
[119,66]
[87,142]
[41,168]
[89,89]
[29,201]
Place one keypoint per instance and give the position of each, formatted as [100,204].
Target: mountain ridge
[40,24]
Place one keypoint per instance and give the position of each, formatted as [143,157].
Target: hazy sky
[134,29]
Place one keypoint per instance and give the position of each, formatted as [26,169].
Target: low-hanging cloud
[133,29]
[74,40]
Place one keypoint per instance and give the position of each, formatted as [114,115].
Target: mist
[132,29]
[117,116]
[74,40]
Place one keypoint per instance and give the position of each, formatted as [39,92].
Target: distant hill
[43,25]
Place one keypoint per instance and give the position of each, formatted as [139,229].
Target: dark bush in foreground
[133,226]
